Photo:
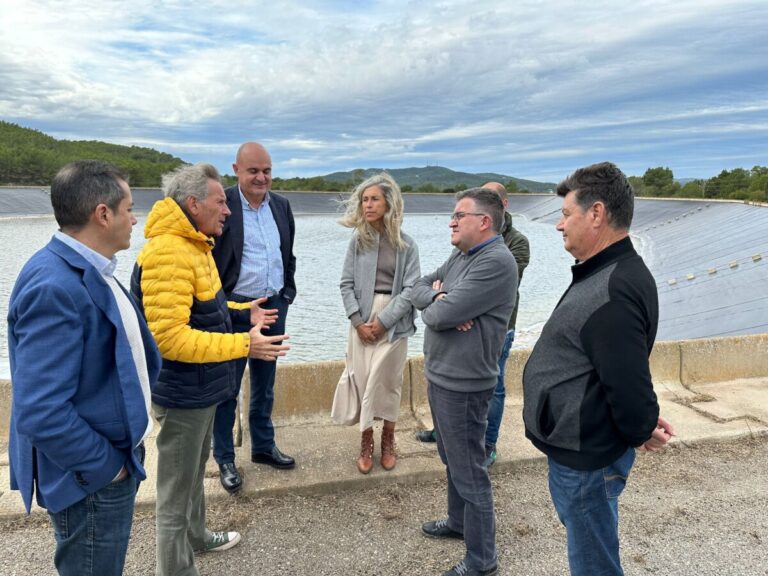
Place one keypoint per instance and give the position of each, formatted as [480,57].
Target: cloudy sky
[531,89]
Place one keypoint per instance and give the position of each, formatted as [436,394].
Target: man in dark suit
[82,363]
[255,260]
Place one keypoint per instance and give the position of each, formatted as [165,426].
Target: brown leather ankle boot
[388,458]
[365,460]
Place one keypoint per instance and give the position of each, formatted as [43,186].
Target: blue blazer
[78,409]
[228,250]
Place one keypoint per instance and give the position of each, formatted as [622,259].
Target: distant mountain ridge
[440,177]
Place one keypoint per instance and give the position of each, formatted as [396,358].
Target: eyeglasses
[459,215]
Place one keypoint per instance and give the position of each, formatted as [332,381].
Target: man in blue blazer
[254,256]
[82,362]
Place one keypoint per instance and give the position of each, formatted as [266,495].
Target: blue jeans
[92,534]
[587,503]
[496,407]
[262,395]
[460,419]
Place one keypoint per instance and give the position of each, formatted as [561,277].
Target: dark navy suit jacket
[78,410]
[228,250]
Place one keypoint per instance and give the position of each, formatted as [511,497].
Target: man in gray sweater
[465,306]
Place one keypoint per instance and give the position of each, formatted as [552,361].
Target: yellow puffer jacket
[176,281]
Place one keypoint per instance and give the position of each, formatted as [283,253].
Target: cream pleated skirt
[376,371]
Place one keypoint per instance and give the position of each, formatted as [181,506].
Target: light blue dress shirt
[103,264]
[261,265]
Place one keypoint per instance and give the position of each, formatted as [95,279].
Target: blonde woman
[380,268]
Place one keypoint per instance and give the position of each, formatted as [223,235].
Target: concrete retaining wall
[721,359]
[5,409]
[306,390]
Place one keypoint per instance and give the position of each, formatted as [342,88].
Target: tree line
[31,158]
[736,184]
[320,184]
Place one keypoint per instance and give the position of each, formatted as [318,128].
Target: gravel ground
[691,510]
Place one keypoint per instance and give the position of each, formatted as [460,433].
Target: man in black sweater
[588,395]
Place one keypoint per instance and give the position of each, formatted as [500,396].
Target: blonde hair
[393,218]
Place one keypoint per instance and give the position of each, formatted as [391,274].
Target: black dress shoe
[274,458]
[230,477]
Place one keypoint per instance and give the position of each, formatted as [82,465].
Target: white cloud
[526,88]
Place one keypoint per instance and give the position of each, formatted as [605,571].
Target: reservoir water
[709,259]
[316,321]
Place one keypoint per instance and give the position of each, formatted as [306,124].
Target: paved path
[325,453]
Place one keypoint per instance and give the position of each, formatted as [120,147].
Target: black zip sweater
[587,387]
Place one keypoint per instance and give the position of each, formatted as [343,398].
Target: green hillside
[442,178]
[29,157]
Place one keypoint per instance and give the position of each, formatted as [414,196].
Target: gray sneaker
[220,541]
[440,529]
[461,569]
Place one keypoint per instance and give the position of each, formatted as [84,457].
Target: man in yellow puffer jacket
[176,282]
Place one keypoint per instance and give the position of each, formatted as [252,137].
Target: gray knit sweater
[477,287]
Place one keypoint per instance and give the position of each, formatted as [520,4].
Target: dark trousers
[460,420]
[262,395]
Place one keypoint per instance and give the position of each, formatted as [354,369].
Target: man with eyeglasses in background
[465,307]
